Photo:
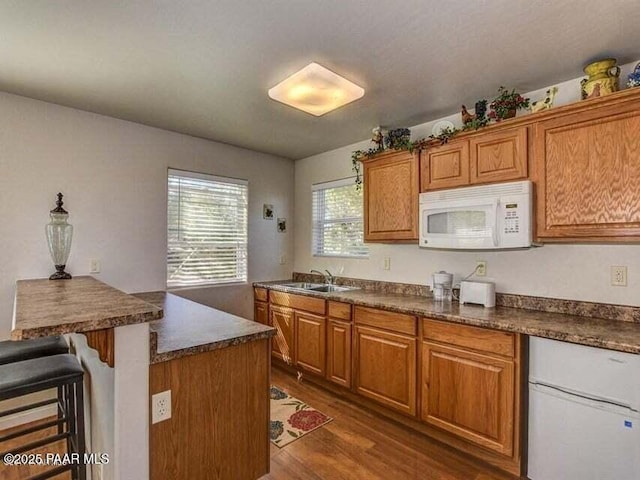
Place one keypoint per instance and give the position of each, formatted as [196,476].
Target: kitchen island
[215,364]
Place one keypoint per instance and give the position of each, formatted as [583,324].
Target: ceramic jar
[603,78]
[634,78]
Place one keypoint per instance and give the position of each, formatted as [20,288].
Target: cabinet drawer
[475,338]
[393,322]
[339,310]
[260,294]
[298,302]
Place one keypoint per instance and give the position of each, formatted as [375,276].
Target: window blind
[207,229]
[338,227]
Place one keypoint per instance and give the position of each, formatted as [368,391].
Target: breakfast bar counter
[189,328]
[46,307]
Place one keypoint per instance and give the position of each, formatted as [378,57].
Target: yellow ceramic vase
[603,78]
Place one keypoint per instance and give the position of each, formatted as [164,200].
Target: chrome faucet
[328,277]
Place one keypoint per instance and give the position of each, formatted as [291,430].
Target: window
[338,227]
[207,229]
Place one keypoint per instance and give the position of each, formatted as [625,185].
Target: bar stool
[17,351]
[65,373]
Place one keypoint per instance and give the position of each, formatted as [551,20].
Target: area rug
[292,418]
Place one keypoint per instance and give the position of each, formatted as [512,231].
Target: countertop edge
[160,357]
[89,325]
[469,320]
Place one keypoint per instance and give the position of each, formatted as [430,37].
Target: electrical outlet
[161,406]
[481,268]
[619,276]
[387,263]
[95,266]
[283,260]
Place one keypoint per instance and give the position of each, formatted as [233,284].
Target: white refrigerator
[584,413]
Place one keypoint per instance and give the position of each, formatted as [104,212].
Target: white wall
[113,174]
[578,272]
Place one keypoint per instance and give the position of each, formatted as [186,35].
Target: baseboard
[29,416]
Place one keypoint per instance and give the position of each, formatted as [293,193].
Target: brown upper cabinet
[445,166]
[499,156]
[495,156]
[587,171]
[391,187]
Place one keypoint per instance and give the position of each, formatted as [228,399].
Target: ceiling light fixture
[316,90]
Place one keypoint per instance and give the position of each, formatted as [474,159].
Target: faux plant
[446,134]
[356,159]
[506,104]
[396,139]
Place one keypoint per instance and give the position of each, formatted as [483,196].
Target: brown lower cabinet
[261,312]
[311,342]
[385,368]
[469,394]
[283,320]
[470,385]
[339,352]
[458,383]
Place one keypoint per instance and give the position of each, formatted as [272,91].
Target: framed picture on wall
[267,211]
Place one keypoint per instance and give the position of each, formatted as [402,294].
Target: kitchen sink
[318,287]
[332,288]
[303,285]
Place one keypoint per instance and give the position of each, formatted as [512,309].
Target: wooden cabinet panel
[298,302]
[391,184]
[261,294]
[499,156]
[282,344]
[261,312]
[475,338]
[588,172]
[445,166]
[339,310]
[339,352]
[219,425]
[470,395]
[394,322]
[310,342]
[385,368]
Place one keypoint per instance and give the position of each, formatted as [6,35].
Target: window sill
[355,257]
[206,285]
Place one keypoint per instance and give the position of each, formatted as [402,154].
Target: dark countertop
[46,307]
[189,328]
[618,335]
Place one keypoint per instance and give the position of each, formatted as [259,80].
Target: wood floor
[358,445]
[20,472]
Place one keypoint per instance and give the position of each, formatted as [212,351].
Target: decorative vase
[634,78]
[59,235]
[510,114]
[603,78]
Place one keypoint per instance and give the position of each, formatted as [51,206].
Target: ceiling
[203,67]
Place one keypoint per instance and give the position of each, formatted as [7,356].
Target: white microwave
[488,217]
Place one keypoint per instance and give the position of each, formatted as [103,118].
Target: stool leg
[60,409]
[71,402]
[79,386]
